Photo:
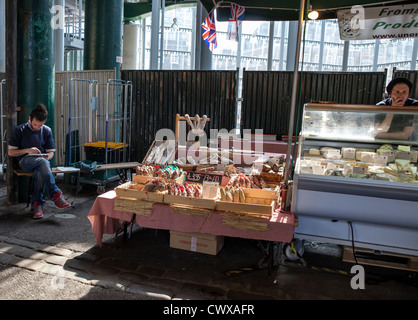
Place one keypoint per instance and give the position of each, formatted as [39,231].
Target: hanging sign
[385,22]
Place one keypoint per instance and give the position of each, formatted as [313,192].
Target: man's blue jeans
[42,176]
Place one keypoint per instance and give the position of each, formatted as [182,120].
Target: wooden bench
[100,167]
[55,170]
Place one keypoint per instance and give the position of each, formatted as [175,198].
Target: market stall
[352,188]
[194,188]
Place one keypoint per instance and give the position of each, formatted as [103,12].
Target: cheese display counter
[355,179]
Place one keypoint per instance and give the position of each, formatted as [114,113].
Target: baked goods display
[213,182]
[384,163]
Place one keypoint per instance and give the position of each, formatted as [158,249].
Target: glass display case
[357,167]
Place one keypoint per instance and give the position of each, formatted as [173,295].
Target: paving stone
[58,251]
[204,291]
[110,283]
[33,265]
[86,256]
[151,271]
[119,264]
[90,268]
[133,277]
[164,283]
[25,243]
[58,260]
[151,292]
[32,254]
[5,258]
[9,248]
[60,272]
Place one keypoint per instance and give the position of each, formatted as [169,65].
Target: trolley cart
[103,111]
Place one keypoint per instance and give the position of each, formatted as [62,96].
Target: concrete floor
[145,263]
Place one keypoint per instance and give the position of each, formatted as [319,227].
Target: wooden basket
[141,179]
[190,202]
[126,191]
[258,203]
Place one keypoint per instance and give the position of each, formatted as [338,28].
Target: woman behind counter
[398,126]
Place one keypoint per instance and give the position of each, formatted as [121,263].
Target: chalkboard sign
[200,177]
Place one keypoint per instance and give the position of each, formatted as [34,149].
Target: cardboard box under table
[196,242]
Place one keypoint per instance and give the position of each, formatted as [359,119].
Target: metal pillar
[293,99]
[11,89]
[36,59]
[203,58]
[155,30]
[103,35]
[2,36]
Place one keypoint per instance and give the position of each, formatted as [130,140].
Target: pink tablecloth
[104,220]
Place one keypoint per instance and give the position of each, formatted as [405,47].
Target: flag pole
[293,105]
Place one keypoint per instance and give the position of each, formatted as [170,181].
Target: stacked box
[196,242]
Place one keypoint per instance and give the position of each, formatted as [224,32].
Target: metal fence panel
[159,95]
[80,95]
[267,95]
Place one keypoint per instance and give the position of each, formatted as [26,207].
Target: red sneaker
[60,201]
[37,210]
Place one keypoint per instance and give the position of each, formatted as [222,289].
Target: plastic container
[95,151]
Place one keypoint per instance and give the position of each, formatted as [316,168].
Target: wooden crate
[258,203]
[144,179]
[383,259]
[135,206]
[125,191]
[191,202]
[141,179]
[270,176]
[190,210]
[240,221]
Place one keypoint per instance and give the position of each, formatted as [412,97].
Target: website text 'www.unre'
[398,35]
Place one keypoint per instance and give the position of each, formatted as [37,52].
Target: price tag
[318,169]
[403,155]
[349,153]
[359,170]
[210,190]
[389,154]
[367,157]
[332,166]
[306,169]
[200,177]
[380,160]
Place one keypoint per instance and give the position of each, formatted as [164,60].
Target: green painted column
[103,35]
[35,64]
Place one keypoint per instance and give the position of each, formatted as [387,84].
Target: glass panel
[361,126]
[332,143]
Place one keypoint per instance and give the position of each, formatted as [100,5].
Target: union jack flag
[236,15]
[209,31]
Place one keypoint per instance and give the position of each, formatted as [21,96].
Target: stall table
[105,220]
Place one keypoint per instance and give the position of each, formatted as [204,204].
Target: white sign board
[385,22]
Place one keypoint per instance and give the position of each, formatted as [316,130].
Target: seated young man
[33,146]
